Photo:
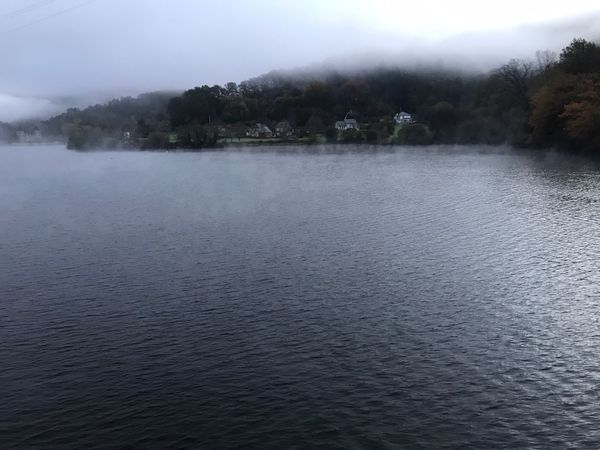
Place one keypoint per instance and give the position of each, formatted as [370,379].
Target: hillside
[547,101]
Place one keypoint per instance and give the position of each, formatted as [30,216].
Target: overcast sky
[94,49]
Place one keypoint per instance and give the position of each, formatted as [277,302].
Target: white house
[349,123]
[403,118]
[260,130]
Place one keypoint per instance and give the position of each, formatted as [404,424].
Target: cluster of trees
[566,106]
[550,101]
[8,134]
[144,119]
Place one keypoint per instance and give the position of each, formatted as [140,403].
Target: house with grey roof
[349,123]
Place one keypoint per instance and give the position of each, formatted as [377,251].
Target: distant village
[285,130]
[342,130]
[349,125]
[548,103]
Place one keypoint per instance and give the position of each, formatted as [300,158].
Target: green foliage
[351,136]
[315,124]
[580,56]
[235,109]
[139,116]
[444,117]
[85,137]
[195,137]
[201,104]
[157,140]
[331,134]
[413,134]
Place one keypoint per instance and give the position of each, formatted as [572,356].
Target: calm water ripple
[399,298]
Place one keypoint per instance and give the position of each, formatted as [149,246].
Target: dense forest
[550,101]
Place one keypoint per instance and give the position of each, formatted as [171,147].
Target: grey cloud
[13,108]
[115,47]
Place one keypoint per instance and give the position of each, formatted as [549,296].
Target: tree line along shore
[549,101]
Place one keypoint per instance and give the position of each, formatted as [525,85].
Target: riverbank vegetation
[548,101]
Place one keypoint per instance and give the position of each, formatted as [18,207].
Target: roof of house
[350,115]
[263,127]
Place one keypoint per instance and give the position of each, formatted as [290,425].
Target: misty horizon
[76,66]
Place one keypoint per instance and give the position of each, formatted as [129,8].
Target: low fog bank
[18,108]
[14,108]
[66,73]
[475,52]
[548,102]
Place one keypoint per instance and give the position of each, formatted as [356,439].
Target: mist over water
[420,298]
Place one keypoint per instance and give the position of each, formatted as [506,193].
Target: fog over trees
[548,100]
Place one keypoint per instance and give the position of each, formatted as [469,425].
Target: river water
[299,297]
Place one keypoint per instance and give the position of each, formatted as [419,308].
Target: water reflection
[435,297]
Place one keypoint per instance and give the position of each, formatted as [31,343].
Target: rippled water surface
[399,298]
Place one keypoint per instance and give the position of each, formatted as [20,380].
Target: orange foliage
[567,108]
[548,104]
[582,114]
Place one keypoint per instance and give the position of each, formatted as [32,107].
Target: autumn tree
[582,114]
[548,105]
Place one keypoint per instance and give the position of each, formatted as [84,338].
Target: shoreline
[314,146]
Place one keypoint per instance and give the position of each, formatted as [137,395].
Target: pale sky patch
[104,48]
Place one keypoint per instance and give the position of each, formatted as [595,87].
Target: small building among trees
[284,129]
[403,118]
[260,130]
[349,123]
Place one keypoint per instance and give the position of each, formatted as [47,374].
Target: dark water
[415,298]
